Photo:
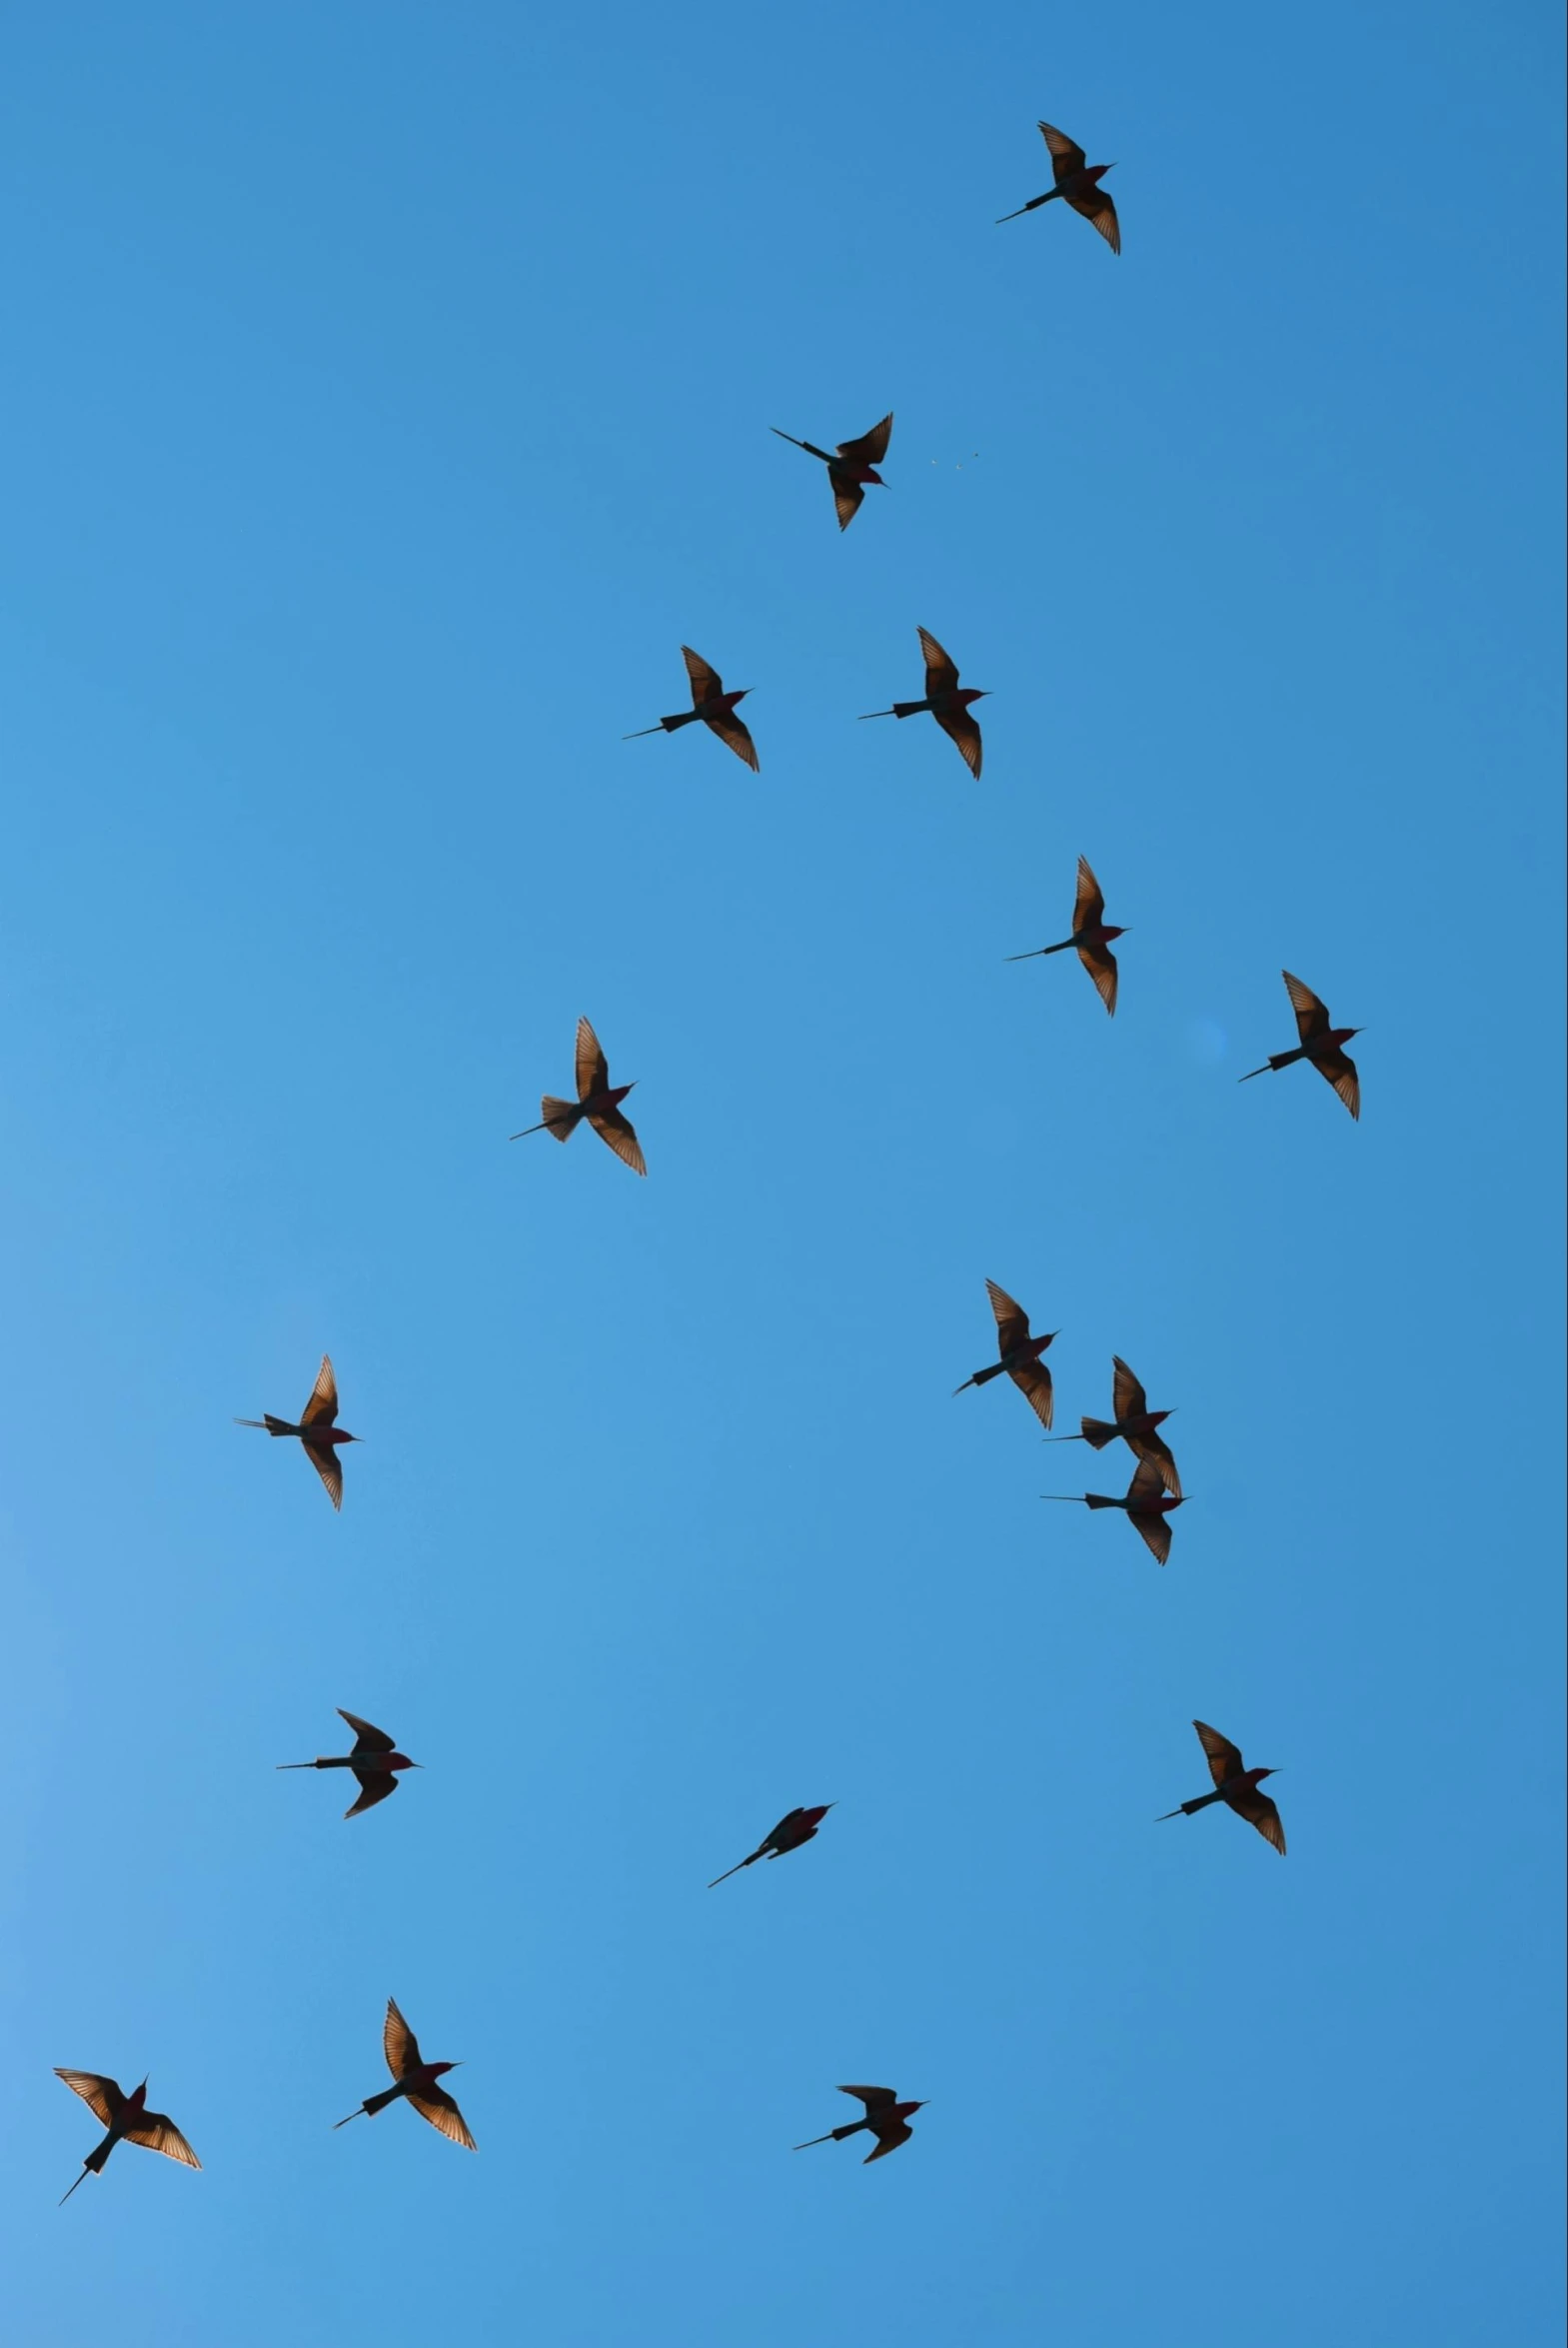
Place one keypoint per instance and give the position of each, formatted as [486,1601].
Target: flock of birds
[1152,1498]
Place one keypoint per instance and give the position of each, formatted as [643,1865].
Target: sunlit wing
[375,1785]
[874,2098]
[1100,964]
[849,498]
[1155,1447]
[398,2043]
[329,1468]
[1260,1811]
[1089,905]
[593,1069]
[322,1409]
[1100,213]
[889,2141]
[1155,1535]
[437,2106]
[960,727]
[367,1738]
[1065,154]
[1340,1071]
[1034,1383]
[872,446]
[1311,1015]
[1147,1484]
[618,1131]
[103,2094]
[941,674]
[1129,1401]
[1224,1758]
[1013,1322]
[733,730]
[159,2134]
[705,681]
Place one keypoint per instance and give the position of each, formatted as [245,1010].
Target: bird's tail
[370,2107]
[833,2136]
[1275,1059]
[560,1116]
[1096,1433]
[88,2172]
[1032,205]
[740,1864]
[1100,1500]
[1039,949]
[274,1426]
[981,1377]
[299,1764]
[91,2167]
[1185,1809]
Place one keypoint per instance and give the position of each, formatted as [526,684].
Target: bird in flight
[597,1099]
[318,1431]
[128,2121]
[1138,1425]
[886,2118]
[417,2079]
[854,464]
[714,705]
[798,1828]
[1019,1354]
[1235,1786]
[1147,1502]
[373,1760]
[1078,184]
[948,705]
[1323,1044]
[1090,935]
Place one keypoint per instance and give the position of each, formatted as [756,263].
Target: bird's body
[1019,1355]
[886,2118]
[415,2081]
[597,1099]
[713,706]
[851,467]
[127,2120]
[1147,1503]
[375,1761]
[1136,1425]
[793,1830]
[318,1431]
[1321,1042]
[1237,1786]
[1078,184]
[1091,938]
[948,702]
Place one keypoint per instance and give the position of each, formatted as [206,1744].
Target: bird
[851,467]
[128,2121]
[947,704]
[795,1828]
[1077,183]
[417,2079]
[1019,1355]
[373,1760]
[886,2118]
[714,705]
[1323,1044]
[1147,1502]
[1235,1786]
[597,1099]
[318,1431]
[1138,1425]
[1090,935]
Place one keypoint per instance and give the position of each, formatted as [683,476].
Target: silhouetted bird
[1078,184]
[318,1431]
[886,2116]
[373,1760]
[713,705]
[1235,1785]
[798,1828]
[1323,1044]
[947,704]
[1145,1500]
[853,466]
[416,2079]
[1019,1355]
[1134,1421]
[597,1099]
[1090,935]
[128,2121]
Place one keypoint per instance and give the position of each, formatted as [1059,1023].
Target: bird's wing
[1067,155]
[787,1819]
[593,1069]
[92,2088]
[872,446]
[1147,1484]
[159,2134]
[437,2106]
[941,674]
[1034,1383]
[322,1409]
[1260,1811]
[736,732]
[1224,1758]
[1341,1073]
[849,498]
[1155,1448]
[366,1739]
[960,727]
[1129,1401]
[706,683]
[889,2141]
[1089,905]
[620,1134]
[874,2099]
[1311,1016]
[1155,1534]
[1100,964]
[329,1468]
[375,1785]
[398,2043]
[1099,210]
[1013,1322]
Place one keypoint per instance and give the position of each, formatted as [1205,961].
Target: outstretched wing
[1224,1758]
[849,498]
[1155,1535]
[328,1466]
[1147,1485]
[1013,1322]
[1034,1383]
[159,2134]
[1129,1401]
[620,1134]
[366,1739]
[398,2043]
[960,727]
[1099,210]
[1066,156]
[322,1409]
[375,1785]
[1156,1448]
[874,2099]
[889,2141]
[872,446]
[734,730]
[706,684]
[1100,964]
[1260,1811]
[941,674]
[92,2088]
[593,1069]
[1088,907]
[437,2106]
[1311,1015]
[1341,1073]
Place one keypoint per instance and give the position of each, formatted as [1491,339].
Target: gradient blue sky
[388,399]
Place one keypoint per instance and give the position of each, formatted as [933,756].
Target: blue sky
[388,395]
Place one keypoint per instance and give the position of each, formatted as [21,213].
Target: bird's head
[1110,930]
[872,474]
[1260,1774]
[814,1816]
[1158,1417]
[619,1092]
[729,699]
[907,2108]
[138,2097]
[439,2070]
[968,693]
[402,1761]
[1097,170]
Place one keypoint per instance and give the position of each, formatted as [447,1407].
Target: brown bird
[597,1099]
[1090,935]
[1078,184]
[853,466]
[417,2079]
[1138,1425]
[128,2121]
[1235,1785]
[318,1431]
[792,1830]
[886,2116]
[1147,1502]
[1323,1044]
[713,705]
[373,1760]
[1019,1355]
[947,704]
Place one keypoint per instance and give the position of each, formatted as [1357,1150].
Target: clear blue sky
[388,399]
